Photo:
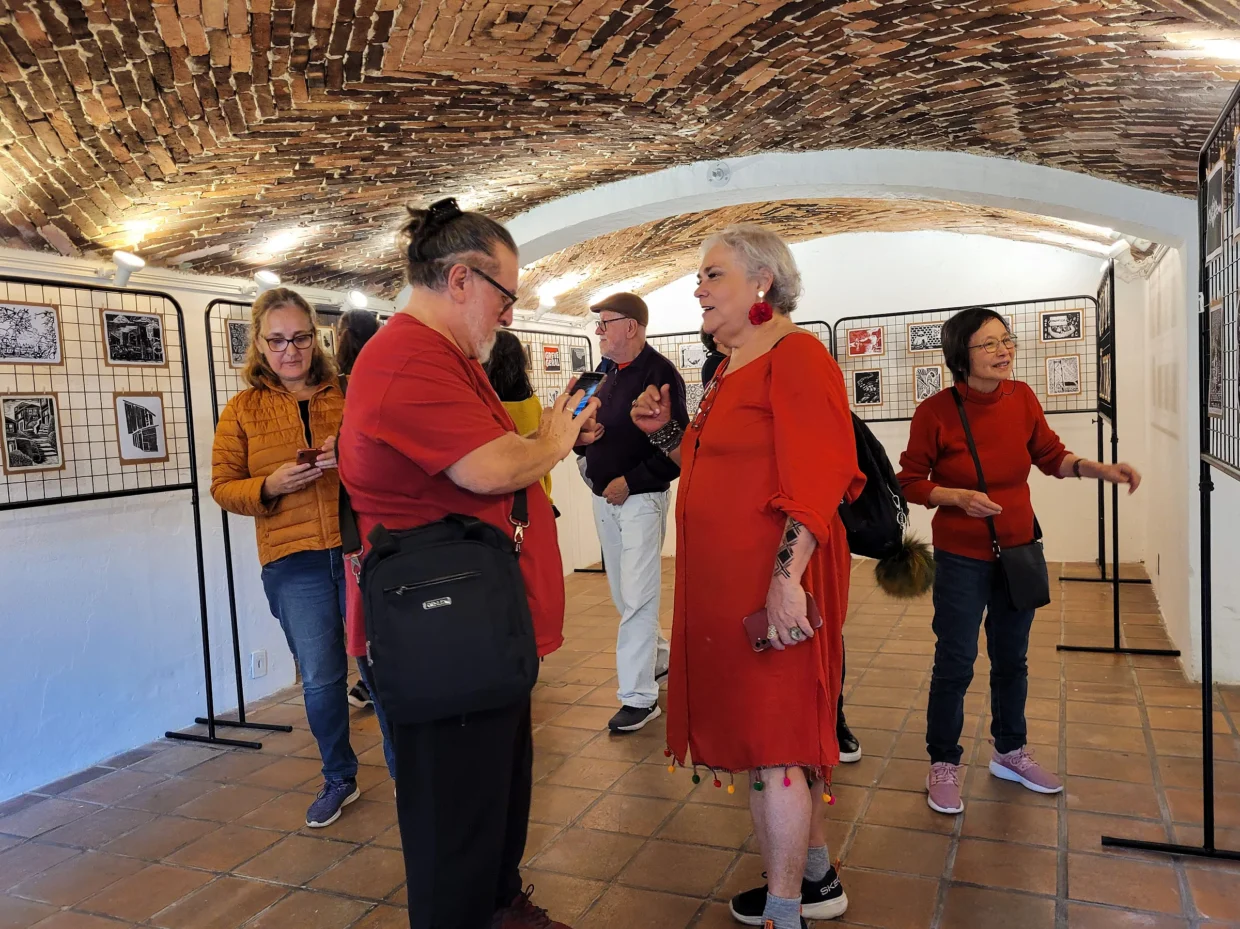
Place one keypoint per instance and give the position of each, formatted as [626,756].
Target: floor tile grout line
[1061,806]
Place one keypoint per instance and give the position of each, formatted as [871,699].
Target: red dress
[777,442]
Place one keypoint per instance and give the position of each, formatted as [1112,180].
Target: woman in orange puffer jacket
[294,403]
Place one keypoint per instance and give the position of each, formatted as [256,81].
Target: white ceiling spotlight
[358,300]
[265,280]
[126,264]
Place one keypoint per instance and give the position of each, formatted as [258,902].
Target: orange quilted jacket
[261,429]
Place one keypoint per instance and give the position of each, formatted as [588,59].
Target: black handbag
[1022,567]
[448,624]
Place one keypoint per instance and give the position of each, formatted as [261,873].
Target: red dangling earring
[761,311]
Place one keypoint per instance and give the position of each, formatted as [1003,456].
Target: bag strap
[977,463]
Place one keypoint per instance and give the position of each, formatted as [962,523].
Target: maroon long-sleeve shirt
[1011,434]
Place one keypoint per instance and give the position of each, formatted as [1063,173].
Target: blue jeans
[389,752]
[964,589]
[306,593]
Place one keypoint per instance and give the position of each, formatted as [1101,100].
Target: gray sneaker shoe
[334,797]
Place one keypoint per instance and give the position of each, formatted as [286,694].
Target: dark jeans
[964,589]
[389,751]
[463,802]
[306,593]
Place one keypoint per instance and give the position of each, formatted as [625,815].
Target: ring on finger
[796,634]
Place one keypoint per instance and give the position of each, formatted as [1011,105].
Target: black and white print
[529,355]
[29,334]
[927,381]
[31,433]
[327,339]
[692,355]
[925,337]
[693,398]
[868,387]
[577,354]
[133,339]
[1104,378]
[1063,375]
[1214,210]
[548,395]
[238,341]
[140,427]
[1214,393]
[1062,325]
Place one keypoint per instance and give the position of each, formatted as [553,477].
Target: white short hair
[761,250]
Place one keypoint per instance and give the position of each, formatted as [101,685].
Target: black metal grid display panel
[554,359]
[1057,341]
[111,363]
[1219,182]
[1105,327]
[685,350]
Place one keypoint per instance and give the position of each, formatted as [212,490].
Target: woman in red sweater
[1011,435]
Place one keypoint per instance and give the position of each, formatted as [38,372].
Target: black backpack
[876,520]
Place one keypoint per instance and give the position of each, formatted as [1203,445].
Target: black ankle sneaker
[632,718]
[850,748]
[823,899]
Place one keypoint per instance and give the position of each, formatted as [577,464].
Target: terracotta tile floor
[180,836]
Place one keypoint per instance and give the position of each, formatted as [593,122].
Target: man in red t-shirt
[424,436]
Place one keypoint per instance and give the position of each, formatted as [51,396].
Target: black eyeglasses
[509,297]
[300,340]
[602,324]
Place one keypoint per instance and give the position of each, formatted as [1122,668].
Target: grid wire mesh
[572,355]
[898,364]
[86,382]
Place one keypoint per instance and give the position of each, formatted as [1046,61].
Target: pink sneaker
[1020,767]
[943,788]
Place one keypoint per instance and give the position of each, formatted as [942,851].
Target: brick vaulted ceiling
[199,129]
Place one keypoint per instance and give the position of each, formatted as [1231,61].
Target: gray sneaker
[334,797]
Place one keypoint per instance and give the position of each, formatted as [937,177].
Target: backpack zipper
[446,579]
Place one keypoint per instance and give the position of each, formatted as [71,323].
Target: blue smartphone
[590,382]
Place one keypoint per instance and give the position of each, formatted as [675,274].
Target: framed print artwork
[238,331]
[551,358]
[140,430]
[692,355]
[1061,325]
[865,342]
[927,381]
[30,334]
[327,339]
[133,339]
[1214,391]
[32,440]
[577,354]
[1214,210]
[868,387]
[1063,375]
[925,337]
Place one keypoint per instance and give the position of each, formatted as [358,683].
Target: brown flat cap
[630,305]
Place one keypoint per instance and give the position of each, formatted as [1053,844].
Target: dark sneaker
[850,748]
[823,899]
[334,797]
[523,914]
[632,718]
[359,696]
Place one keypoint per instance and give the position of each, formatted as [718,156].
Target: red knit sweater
[1011,434]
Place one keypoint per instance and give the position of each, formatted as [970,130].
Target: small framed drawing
[32,439]
[1214,392]
[692,355]
[1063,375]
[551,358]
[140,431]
[1214,210]
[238,341]
[327,339]
[925,337]
[30,334]
[927,381]
[865,342]
[529,355]
[1235,185]
[133,339]
[577,354]
[1104,377]
[1061,325]
[868,387]
[548,395]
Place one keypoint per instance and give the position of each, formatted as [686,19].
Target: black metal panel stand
[1207,848]
[229,577]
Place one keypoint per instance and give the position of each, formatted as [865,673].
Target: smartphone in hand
[590,382]
[308,455]
[756,624]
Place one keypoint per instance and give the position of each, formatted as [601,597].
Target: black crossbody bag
[1022,567]
[448,625]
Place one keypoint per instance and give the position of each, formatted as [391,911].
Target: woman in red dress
[764,466]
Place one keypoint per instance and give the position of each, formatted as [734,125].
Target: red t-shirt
[1011,434]
[416,405]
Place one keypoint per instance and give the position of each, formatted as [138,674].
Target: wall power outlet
[258,663]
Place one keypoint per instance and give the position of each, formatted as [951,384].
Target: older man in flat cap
[631,480]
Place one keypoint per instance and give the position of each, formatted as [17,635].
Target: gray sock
[817,863]
[783,912]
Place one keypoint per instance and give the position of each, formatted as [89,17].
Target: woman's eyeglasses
[301,340]
[509,297]
[992,345]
